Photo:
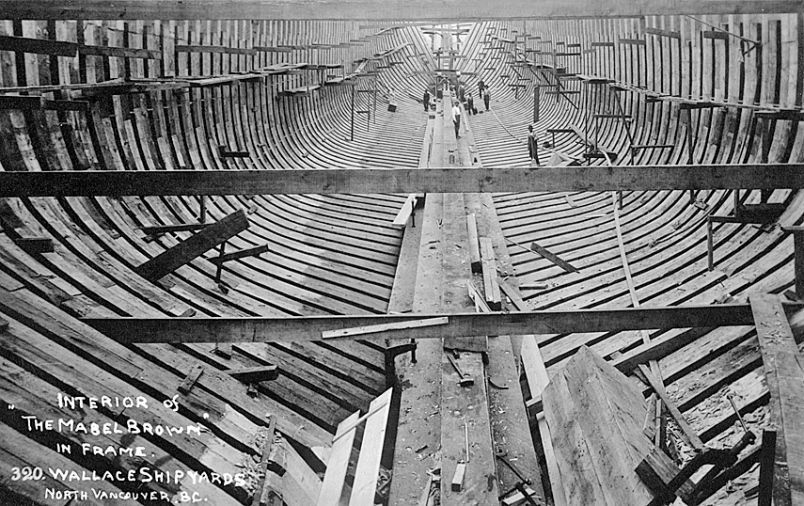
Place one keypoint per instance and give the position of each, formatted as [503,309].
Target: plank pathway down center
[436,412]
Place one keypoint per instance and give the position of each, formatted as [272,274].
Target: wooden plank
[545,253]
[191,248]
[266,453]
[20,102]
[120,52]
[609,411]
[395,10]
[368,465]
[38,46]
[309,328]
[785,379]
[689,434]
[405,211]
[338,463]
[373,329]
[490,287]
[236,255]
[406,181]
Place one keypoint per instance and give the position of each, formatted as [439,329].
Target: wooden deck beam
[367,181]
[311,328]
[398,10]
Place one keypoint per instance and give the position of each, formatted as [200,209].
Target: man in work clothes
[426,100]
[456,118]
[533,145]
[470,104]
[486,98]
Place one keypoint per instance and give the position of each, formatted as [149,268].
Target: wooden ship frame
[242,262]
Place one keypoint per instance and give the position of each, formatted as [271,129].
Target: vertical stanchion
[352,128]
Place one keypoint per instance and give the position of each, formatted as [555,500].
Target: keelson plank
[601,445]
[785,379]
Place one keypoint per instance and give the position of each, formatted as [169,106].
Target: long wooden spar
[399,180]
[419,326]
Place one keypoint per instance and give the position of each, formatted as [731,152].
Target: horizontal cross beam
[366,181]
[392,10]
[313,328]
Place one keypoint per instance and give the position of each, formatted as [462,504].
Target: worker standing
[487,98]
[533,145]
[470,104]
[456,118]
[426,100]
[480,87]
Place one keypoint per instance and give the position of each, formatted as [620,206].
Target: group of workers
[483,91]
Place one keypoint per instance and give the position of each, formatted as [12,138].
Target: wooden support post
[536,91]
[352,122]
[785,379]
[474,245]
[219,265]
[194,246]
[766,465]
[798,263]
[710,246]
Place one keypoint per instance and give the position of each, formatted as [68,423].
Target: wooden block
[457,478]
[194,246]
[255,374]
[189,380]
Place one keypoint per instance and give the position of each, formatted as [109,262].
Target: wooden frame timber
[312,328]
[396,10]
[368,181]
